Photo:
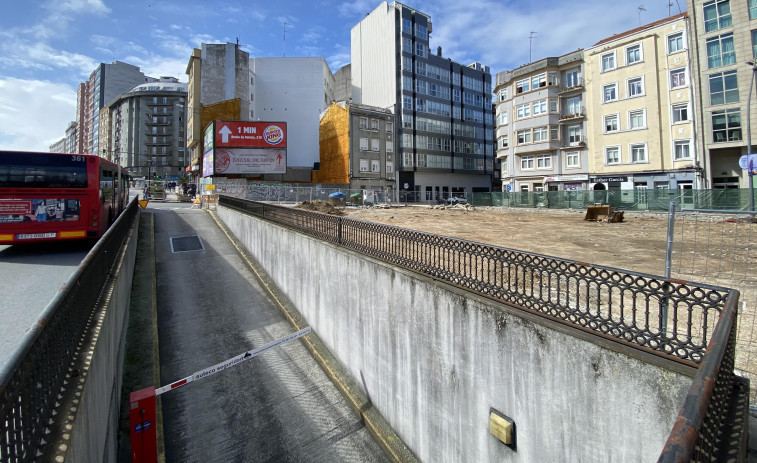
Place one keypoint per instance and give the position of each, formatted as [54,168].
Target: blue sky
[47,47]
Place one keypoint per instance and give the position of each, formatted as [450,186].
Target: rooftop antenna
[285,38]
[640,9]
[530,39]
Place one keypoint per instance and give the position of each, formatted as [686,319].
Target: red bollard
[144,436]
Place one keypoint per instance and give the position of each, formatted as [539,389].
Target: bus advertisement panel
[51,196]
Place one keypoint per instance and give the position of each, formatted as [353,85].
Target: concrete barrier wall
[94,436]
[435,359]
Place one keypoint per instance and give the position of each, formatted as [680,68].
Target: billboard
[245,147]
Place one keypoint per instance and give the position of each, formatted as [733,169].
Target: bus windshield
[40,170]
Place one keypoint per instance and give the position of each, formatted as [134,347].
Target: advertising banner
[246,134]
[207,164]
[39,210]
[250,161]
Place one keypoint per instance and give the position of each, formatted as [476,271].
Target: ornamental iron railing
[687,322]
[41,367]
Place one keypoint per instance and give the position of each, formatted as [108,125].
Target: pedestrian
[144,190]
[41,212]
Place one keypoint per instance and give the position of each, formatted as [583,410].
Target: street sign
[746,160]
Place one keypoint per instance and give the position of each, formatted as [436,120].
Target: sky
[48,47]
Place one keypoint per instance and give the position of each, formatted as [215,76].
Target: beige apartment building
[723,35]
[639,100]
[540,125]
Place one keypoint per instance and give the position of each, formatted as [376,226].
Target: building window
[375,166]
[752,9]
[544,161]
[407,159]
[527,163]
[363,122]
[374,144]
[572,160]
[726,125]
[523,110]
[374,124]
[724,88]
[540,107]
[608,61]
[609,93]
[389,167]
[681,150]
[754,43]
[364,144]
[553,105]
[389,146]
[717,15]
[502,118]
[421,50]
[389,127]
[633,54]
[407,103]
[612,155]
[540,134]
[677,78]
[522,85]
[574,106]
[574,135]
[503,141]
[554,132]
[524,136]
[503,94]
[635,87]
[421,31]
[571,78]
[720,51]
[638,153]
[675,42]
[680,112]
[637,119]
[363,165]
[611,123]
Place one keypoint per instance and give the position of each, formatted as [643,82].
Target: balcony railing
[573,86]
[573,113]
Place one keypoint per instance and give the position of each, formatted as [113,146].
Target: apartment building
[722,38]
[639,98]
[147,127]
[444,121]
[357,148]
[540,125]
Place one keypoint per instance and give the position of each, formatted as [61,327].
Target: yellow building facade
[639,101]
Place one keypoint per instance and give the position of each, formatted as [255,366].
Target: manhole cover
[186,243]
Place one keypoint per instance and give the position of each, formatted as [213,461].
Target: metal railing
[697,435]
[41,366]
[691,323]
[671,318]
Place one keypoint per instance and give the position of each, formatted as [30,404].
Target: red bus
[56,196]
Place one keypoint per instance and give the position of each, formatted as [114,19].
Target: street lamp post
[750,167]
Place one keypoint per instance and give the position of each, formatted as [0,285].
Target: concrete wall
[435,359]
[94,432]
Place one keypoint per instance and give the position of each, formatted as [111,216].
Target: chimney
[438,51]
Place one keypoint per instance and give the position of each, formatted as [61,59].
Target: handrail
[38,369]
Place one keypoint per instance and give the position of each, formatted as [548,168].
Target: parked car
[452,200]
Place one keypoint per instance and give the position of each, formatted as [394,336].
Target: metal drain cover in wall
[186,243]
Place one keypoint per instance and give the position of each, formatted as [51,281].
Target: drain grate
[186,243]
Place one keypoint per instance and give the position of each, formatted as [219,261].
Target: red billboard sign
[244,134]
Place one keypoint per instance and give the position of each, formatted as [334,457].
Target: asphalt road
[279,406]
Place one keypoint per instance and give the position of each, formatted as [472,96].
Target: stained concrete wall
[435,359]
[93,435]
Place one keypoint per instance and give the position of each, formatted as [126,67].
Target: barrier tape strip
[231,362]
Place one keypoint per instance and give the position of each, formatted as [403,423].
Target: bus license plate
[35,236]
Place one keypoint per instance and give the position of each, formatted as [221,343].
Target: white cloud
[358,8]
[34,113]
[80,6]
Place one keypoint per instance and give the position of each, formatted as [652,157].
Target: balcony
[573,86]
[579,142]
[573,113]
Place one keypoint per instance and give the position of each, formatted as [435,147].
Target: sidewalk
[211,306]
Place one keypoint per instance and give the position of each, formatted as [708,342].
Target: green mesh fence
[627,200]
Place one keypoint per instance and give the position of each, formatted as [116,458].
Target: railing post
[668,266]
[339,230]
